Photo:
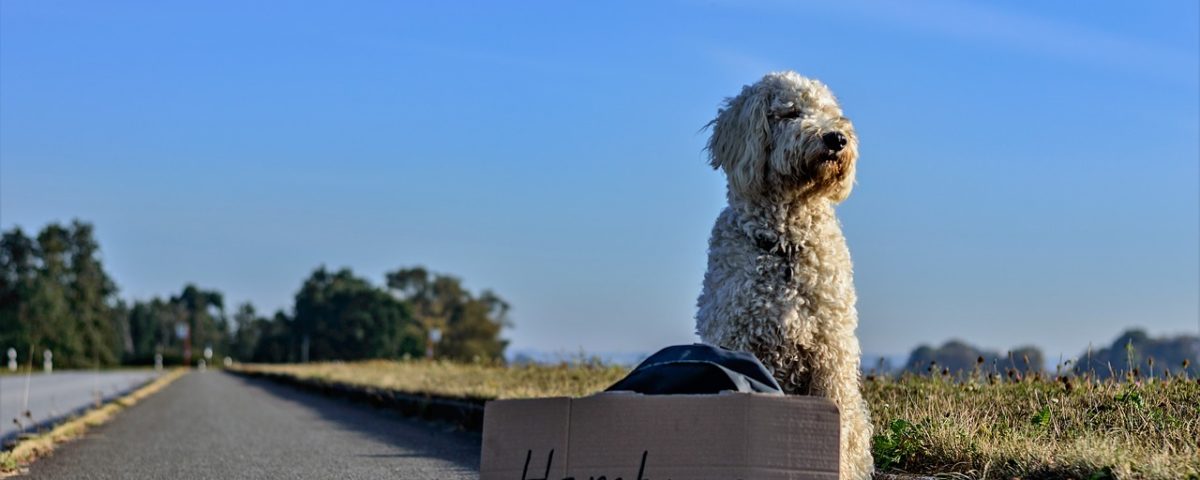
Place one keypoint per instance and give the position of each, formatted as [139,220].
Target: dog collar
[770,246]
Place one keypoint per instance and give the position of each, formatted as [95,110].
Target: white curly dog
[779,281]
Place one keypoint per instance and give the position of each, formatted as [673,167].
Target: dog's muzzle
[834,141]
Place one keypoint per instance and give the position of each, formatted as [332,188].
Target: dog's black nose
[834,141]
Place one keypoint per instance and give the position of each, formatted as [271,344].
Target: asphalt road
[213,425]
[56,394]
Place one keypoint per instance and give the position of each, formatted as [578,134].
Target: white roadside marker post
[207,357]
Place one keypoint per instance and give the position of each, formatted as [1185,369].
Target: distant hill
[1135,349]
[961,358]
[541,357]
[878,363]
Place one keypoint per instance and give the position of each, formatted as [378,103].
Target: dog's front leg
[835,369]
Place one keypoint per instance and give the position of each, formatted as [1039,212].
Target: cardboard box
[629,436]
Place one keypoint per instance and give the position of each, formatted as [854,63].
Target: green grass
[981,427]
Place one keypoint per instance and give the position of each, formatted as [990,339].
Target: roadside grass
[27,450]
[462,380]
[1021,426]
[1037,427]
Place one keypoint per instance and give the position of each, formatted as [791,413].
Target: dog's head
[784,134]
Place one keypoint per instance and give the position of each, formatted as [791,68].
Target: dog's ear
[739,139]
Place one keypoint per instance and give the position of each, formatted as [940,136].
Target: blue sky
[1029,172]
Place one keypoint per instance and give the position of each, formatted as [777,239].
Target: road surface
[57,394]
[213,425]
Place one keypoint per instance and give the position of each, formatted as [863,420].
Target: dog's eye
[787,114]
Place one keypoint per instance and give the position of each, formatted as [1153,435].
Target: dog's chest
[806,256]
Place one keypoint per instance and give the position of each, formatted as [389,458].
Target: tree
[1027,358]
[53,327]
[152,331]
[91,297]
[56,295]
[1134,348]
[276,343]
[473,330]
[339,316]
[204,312]
[153,325]
[18,281]
[960,358]
[470,325]
[250,330]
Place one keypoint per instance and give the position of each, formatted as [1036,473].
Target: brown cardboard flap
[793,433]
[695,430]
[525,439]
[638,437]
[734,473]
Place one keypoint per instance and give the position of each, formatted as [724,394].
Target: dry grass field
[1016,426]
[474,381]
[1038,427]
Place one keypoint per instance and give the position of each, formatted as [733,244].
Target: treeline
[55,294]
[1132,353]
[1138,354]
[959,358]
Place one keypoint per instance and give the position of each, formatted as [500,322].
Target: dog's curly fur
[779,281]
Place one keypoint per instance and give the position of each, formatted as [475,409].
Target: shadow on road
[420,438]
